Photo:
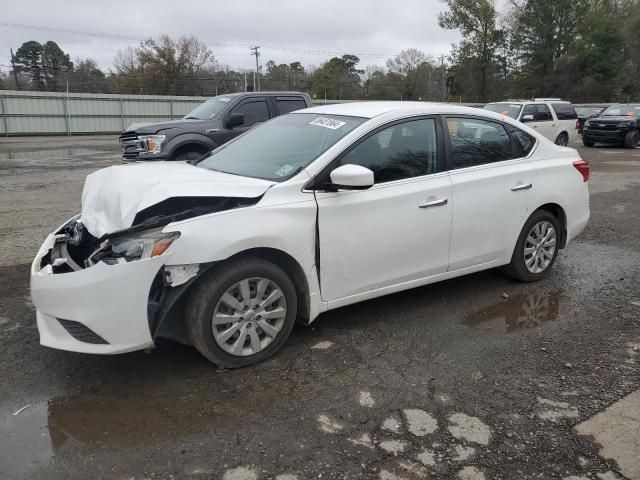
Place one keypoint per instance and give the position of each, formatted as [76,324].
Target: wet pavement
[476,377]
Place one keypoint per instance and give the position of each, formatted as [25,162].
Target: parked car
[311,211]
[208,126]
[551,117]
[584,114]
[617,125]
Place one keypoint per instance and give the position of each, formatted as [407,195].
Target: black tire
[562,140]
[204,297]
[187,155]
[631,139]
[517,268]
[586,143]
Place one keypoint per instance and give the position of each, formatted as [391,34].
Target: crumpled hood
[113,196]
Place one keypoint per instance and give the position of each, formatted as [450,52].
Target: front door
[396,231]
[254,109]
[543,120]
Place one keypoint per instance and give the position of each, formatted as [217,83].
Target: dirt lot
[477,377]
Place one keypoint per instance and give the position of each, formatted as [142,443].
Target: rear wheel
[241,313]
[536,249]
[631,139]
[562,140]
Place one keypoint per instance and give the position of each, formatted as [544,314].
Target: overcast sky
[374,29]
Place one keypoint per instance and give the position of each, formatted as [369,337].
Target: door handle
[521,187]
[434,203]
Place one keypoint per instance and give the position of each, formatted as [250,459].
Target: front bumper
[603,136]
[109,302]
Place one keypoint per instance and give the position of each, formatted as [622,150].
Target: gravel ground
[476,377]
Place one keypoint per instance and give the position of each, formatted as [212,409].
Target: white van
[553,118]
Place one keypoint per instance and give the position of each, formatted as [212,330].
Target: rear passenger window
[523,142]
[286,105]
[477,142]
[402,151]
[564,111]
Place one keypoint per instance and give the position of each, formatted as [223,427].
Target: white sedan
[311,211]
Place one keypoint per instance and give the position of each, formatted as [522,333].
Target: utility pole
[255,51]
[15,74]
[444,84]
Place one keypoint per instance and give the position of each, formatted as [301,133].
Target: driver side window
[254,112]
[401,151]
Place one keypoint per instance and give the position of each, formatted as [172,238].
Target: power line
[118,36]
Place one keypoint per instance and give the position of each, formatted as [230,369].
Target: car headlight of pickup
[150,143]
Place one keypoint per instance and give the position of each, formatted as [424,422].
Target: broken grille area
[81,332]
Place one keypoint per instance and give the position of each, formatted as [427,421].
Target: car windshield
[209,109]
[280,148]
[621,111]
[588,111]
[509,109]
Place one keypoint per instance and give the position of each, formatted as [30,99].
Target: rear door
[492,186]
[567,118]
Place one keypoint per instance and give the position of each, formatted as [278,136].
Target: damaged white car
[309,212]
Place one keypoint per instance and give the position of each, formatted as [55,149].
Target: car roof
[522,102]
[248,94]
[373,109]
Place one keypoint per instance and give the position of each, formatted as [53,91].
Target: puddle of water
[524,311]
[150,414]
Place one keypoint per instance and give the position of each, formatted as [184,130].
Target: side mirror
[235,120]
[526,118]
[351,177]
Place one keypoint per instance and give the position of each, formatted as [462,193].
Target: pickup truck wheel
[562,140]
[631,139]
[587,143]
[536,249]
[187,155]
[242,312]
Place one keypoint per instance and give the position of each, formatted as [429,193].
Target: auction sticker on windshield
[285,170]
[327,123]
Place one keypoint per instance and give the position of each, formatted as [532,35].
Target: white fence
[55,113]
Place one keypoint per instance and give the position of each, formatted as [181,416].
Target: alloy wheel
[540,247]
[249,316]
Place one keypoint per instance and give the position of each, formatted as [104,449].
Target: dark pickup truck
[208,126]
[616,125]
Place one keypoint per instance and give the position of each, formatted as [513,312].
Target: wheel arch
[189,142]
[291,267]
[557,211]
[166,304]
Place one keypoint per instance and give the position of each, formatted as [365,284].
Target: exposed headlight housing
[128,248]
[150,143]
[143,245]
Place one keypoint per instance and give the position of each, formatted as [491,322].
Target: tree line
[582,50]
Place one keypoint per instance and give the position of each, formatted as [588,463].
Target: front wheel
[188,155]
[562,140]
[587,143]
[536,249]
[242,312]
[631,139]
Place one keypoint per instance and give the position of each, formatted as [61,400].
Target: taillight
[578,124]
[583,167]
